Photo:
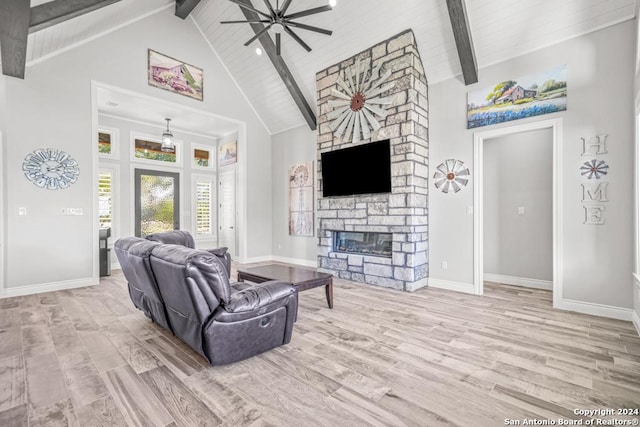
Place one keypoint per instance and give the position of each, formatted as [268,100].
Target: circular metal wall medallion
[51,169]
[451,174]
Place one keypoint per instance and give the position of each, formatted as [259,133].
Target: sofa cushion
[173,237]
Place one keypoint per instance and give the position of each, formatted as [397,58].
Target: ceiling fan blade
[296,38]
[268,3]
[251,8]
[285,6]
[308,12]
[278,44]
[310,28]
[261,32]
[250,21]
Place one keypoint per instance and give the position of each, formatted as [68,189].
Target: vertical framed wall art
[301,199]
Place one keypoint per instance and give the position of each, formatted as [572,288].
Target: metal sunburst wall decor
[594,169]
[451,174]
[359,100]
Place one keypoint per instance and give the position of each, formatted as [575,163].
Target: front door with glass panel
[157,201]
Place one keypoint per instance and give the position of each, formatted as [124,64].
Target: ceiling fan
[277,20]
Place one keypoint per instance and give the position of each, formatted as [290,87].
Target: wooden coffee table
[302,278]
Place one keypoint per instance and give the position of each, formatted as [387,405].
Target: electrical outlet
[521,210]
[444,265]
[469,210]
[279,246]
[22,211]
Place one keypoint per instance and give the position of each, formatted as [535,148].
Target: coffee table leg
[329,291]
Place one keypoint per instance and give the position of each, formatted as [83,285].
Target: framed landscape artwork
[519,98]
[301,199]
[175,76]
[228,153]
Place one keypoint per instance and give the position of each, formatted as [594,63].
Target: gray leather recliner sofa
[188,292]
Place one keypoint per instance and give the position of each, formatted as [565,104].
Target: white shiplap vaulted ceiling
[501,29]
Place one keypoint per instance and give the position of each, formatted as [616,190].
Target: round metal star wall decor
[359,101]
[51,169]
[451,174]
[594,169]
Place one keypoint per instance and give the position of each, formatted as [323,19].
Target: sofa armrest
[223,256]
[258,296]
[219,252]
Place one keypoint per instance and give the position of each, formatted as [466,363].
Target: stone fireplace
[381,239]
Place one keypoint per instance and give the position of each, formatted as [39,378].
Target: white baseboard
[596,309]
[287,260]
[467,288]
[519,281]
[297,261]
[47,287]
[254,259]
[635,318]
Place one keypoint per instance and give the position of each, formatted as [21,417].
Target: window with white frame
[147,149]
[108,142]
[203,157]
[105,198]
[204,189]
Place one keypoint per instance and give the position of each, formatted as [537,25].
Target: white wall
[52,108]
[518,172]
[293,146]
[597,259]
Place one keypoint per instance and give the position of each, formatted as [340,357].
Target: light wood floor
[87,357]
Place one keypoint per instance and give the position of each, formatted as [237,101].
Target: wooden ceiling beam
[281,67]
[185,7]
[57,11]
[464,42]
[14,31]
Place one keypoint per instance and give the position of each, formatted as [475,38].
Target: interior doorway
[517,207]
[480,193]
[227,211]
[157,201]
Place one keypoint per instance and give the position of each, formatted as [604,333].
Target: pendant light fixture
[167,140]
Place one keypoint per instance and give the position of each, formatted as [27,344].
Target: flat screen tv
[364,169]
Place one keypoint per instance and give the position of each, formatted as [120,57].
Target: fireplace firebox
[361,243]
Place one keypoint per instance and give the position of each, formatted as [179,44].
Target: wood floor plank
[77,313]
[182,364]
[17,416]
[181,403]
[36,339]
[83,380]
[222,399]
[137,355]
[135,399]
[66,339]
[101,413]
[57,414]
[45,383]
[104,354]
[11,340]
[12,382]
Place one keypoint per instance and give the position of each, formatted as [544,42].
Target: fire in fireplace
[375,244]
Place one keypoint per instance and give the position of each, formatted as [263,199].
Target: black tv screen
[364,169]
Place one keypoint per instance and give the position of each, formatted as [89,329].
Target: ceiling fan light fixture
[277,28]
[167,140]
